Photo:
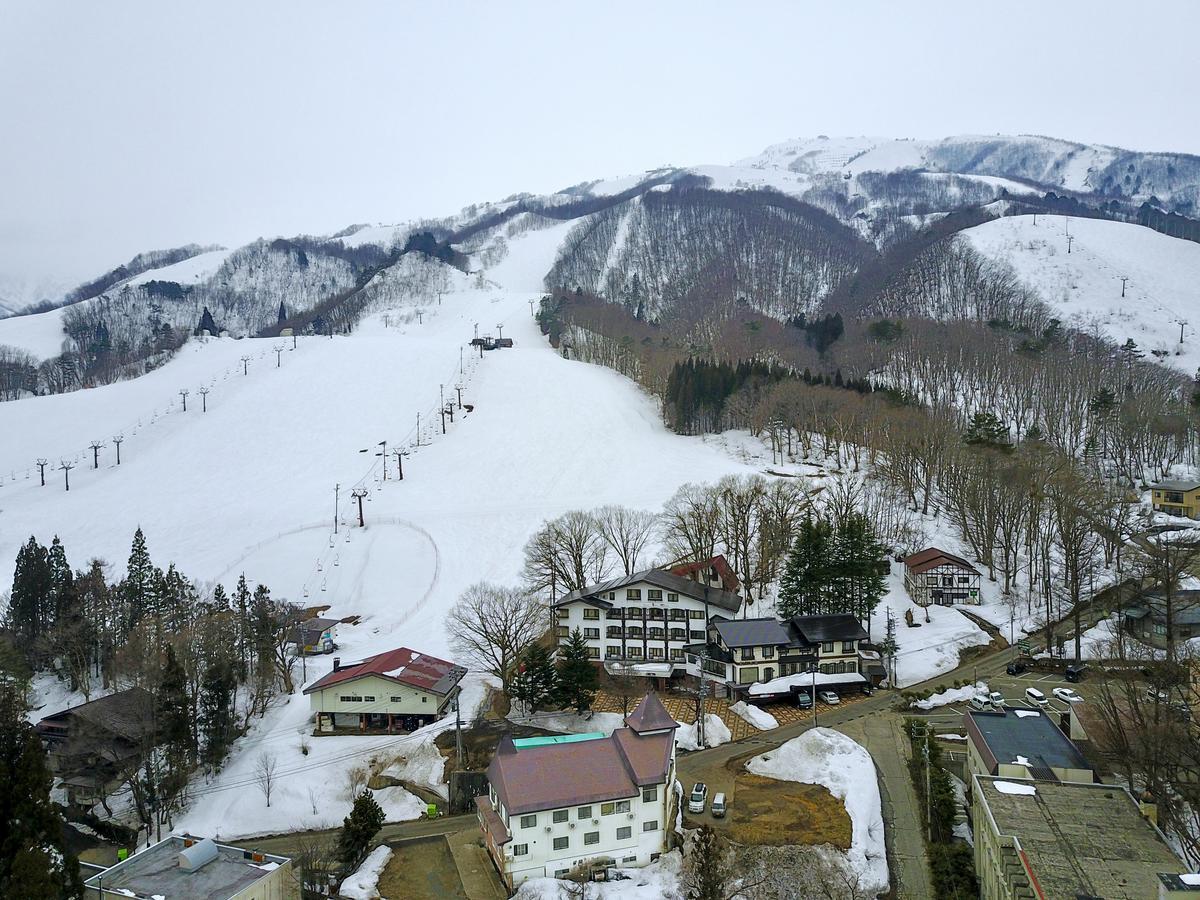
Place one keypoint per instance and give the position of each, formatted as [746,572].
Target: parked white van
[1036,697]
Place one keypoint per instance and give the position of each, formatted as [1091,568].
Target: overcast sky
[130,126]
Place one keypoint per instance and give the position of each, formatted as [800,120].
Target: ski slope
[1085,284]
[40,334]
[249,486]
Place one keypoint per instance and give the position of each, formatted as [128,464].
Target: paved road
[290,842]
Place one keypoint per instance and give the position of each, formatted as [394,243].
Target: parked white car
[698,798]
[997,700]
[1066,695]
[979,702]
[1036,697]
[829,697]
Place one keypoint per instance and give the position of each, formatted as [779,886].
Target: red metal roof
[932,557]
[404,666]
[729,581]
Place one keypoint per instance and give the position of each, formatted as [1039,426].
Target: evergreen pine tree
[62,579]
[807,582]
[29,604]
[174,726]
[536,683]
[358,830]
[986,430]
[241,608]
[138,588]
[216,712]
[859,563]
[707,875]
[577,679]
[35,863]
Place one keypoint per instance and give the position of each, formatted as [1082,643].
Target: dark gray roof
[754,632]
[1036,738]
[1185,607]
[1175,485]
[837,627]
[127,713]
[659,578]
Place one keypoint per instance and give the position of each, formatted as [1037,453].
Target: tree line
[211,660]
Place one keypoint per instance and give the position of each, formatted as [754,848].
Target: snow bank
[1012,787]
[759,718]
[572,723]
[826,757]
[363,884]
[716,733]
[784,684]
[423,765]
[657,881]
[951,695]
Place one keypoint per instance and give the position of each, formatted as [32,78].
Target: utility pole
[66,468]
[450,410]
[460,361]
[383,455]
[458,387]
[1124,279]
[1182,322]
[458,728]
[245,365]
[358,494]
[420,313]
[442,403]
[1070,241]
[500,328]
[531,309]
[400,453]
[703,684]
[204,399]
[293,340]
[337,489]
[183,394]
[814,695]
[95,445]
[418,429]
[41,464]
[278,355]
[117,438]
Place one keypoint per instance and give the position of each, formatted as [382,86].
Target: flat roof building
[198,869]
[1051,839]
[1022,743]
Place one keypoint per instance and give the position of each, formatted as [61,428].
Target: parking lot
[1013,688]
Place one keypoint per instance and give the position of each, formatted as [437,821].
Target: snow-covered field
[40,334]
[1085,284]
[249,486]
[829,758]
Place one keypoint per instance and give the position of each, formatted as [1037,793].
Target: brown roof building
[935,576]
[558,802]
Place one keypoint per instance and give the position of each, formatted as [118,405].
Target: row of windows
[633,631]
[747,653]
[370,698]
[946,580]
[614,652]
[624,833]
[649,795]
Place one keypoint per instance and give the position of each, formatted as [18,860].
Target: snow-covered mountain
[1157,304]
[778,233]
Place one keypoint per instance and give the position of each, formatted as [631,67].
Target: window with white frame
[529,821]
[584,812]
[520,849]
[624,833]
[650,794]
[562,843]
[591,837]
[591,614]
[652,825]
[560,815]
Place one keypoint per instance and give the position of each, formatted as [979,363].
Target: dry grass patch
[781,813]
[421,870]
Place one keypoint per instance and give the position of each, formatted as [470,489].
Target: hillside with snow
[1084,284]
[249,485]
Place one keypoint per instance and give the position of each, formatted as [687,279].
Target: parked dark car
[1075,673]
[804,701]
[1015,668]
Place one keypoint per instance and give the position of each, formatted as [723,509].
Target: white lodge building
[646,618]
[581,800]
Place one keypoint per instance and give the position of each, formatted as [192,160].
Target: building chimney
[337,663]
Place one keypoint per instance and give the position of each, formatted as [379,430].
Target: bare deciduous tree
[490,627]
[264,773]
[626,532]
[567,554]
